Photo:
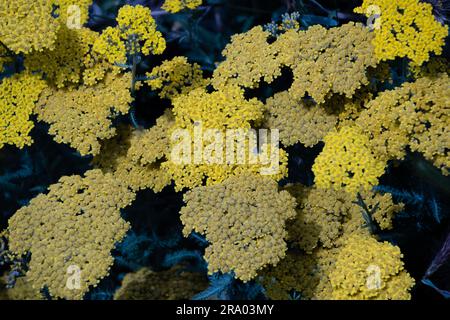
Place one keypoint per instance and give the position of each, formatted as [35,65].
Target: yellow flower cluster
[111,46]
[298,121]
[18,95]
[226,108]
[416,114]
[175,6]
[151,145]
[248,59]
[220,111]
[175,77]
[347,161]
[73,82]
[307,274]
[72,228]
[22,290]
[73,13]
[28,25]
[71,61]
[368,269]
[135,33]
[349,109]
[362,269]
[326,61]
[243,218]
[325,217]
[135,156]
[32,26]
[323,61]
[83,116]
[172,284]
[192,175]
[406,28]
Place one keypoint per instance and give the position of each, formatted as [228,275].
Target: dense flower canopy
[242,150]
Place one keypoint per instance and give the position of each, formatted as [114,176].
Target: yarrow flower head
[135,33]
[72,13]
[175,77]
[216,117]
[174,6]
[83,117]
[368,269]
[18,96]
[28,25]
[76,224]
[415,115]
[71,61]
[336,64]
[243,218]
[347,162]
[407,29]
[32,26]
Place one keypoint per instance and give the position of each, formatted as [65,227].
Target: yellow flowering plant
[275,151]
[405,28]
[135,33]
[175,6]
